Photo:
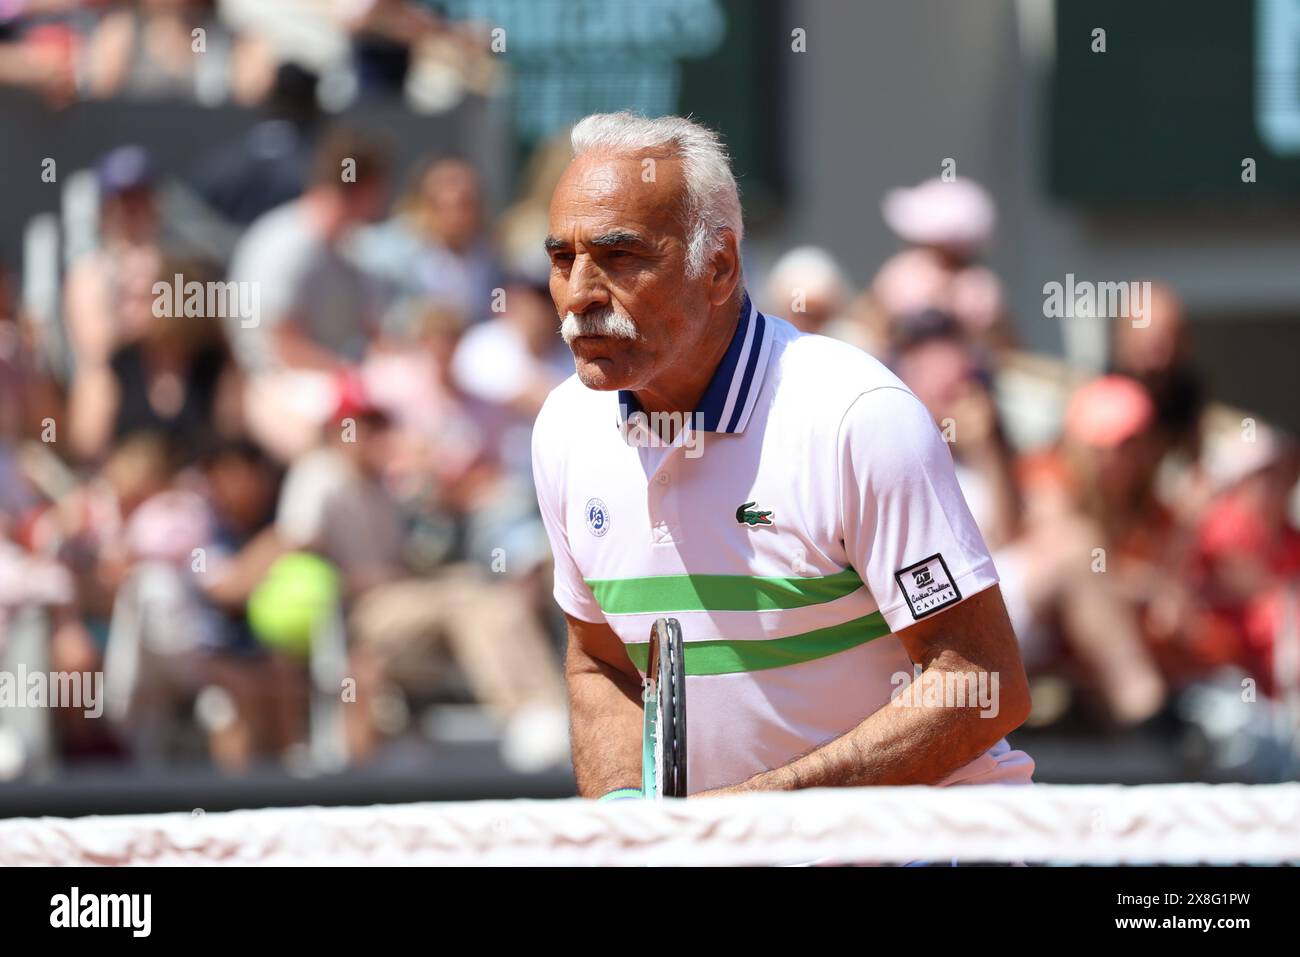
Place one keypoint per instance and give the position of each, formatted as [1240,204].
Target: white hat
[1230,457]
[937,212]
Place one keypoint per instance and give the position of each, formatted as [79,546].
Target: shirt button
[663,478]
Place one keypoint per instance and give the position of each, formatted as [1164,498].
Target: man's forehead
[624,190]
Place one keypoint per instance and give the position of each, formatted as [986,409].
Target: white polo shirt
[810,511]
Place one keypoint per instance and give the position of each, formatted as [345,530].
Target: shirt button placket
[665,522]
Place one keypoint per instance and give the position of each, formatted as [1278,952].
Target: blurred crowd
[248,490]
[231,51]
[225,463]
[1145,534]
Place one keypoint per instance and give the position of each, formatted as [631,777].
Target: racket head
[664,739]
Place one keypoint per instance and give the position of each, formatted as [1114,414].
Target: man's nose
[585,288]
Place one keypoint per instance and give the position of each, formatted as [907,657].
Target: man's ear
[724,268]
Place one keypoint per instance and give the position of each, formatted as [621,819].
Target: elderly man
[782,495]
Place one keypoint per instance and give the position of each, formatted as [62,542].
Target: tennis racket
[663,741]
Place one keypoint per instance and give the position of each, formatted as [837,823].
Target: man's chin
[603,375]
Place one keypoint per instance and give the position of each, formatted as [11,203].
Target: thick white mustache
[608,321]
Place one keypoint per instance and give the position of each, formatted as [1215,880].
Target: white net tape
[1175,824]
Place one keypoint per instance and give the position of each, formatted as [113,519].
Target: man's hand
[911,744]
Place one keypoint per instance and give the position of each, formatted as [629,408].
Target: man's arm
[236,579]
[295,349]
[605,710]
[901,744]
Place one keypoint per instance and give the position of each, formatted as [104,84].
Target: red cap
[1107,411]
[351,397]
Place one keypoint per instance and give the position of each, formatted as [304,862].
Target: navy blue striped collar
[731,394]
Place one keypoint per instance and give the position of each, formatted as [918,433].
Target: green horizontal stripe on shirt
[669,593]
[731,657]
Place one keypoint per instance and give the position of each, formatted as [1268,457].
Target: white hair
[808,268]
[712,201]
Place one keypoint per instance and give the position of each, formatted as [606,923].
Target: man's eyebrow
[613,238]
[617,237]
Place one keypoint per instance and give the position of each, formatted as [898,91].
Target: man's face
[939,372]
[365,200]
[242,491]
[371,447]
[1121,472]
[451,196]
[618,271]
[1152,348]
[133,214]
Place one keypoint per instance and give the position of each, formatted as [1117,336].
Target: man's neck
[325,214]
[680,391]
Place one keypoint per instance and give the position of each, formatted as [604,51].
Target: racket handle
[622,794]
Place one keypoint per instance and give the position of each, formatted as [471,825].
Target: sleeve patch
[927,586]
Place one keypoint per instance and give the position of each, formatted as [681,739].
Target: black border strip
[898,577]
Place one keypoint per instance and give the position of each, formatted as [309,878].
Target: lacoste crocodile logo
[748,516]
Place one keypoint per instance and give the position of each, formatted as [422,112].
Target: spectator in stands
[179,640]
[1153,352]
[317,312]
[177,380]
[39,57]
[1067,618]
[384,33]
[13,370]
[516,358]
[807,286]
[86,532]
[512,362]
[1103,554]
[269,165]
[447,463]
[190,555]
[470,414]
[1248,556]
[108,297]
[37,583]
[461,469]
[408,49]
[267,691]
[175,48]
[86,527]
[946,225]
[436,246]
[522,227]
[933,358]
[31,580]
[335,503]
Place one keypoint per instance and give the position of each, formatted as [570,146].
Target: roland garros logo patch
[597,517]
[927,586]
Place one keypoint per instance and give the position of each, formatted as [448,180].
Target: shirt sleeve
[907,528]
[304,502]
[572,593]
